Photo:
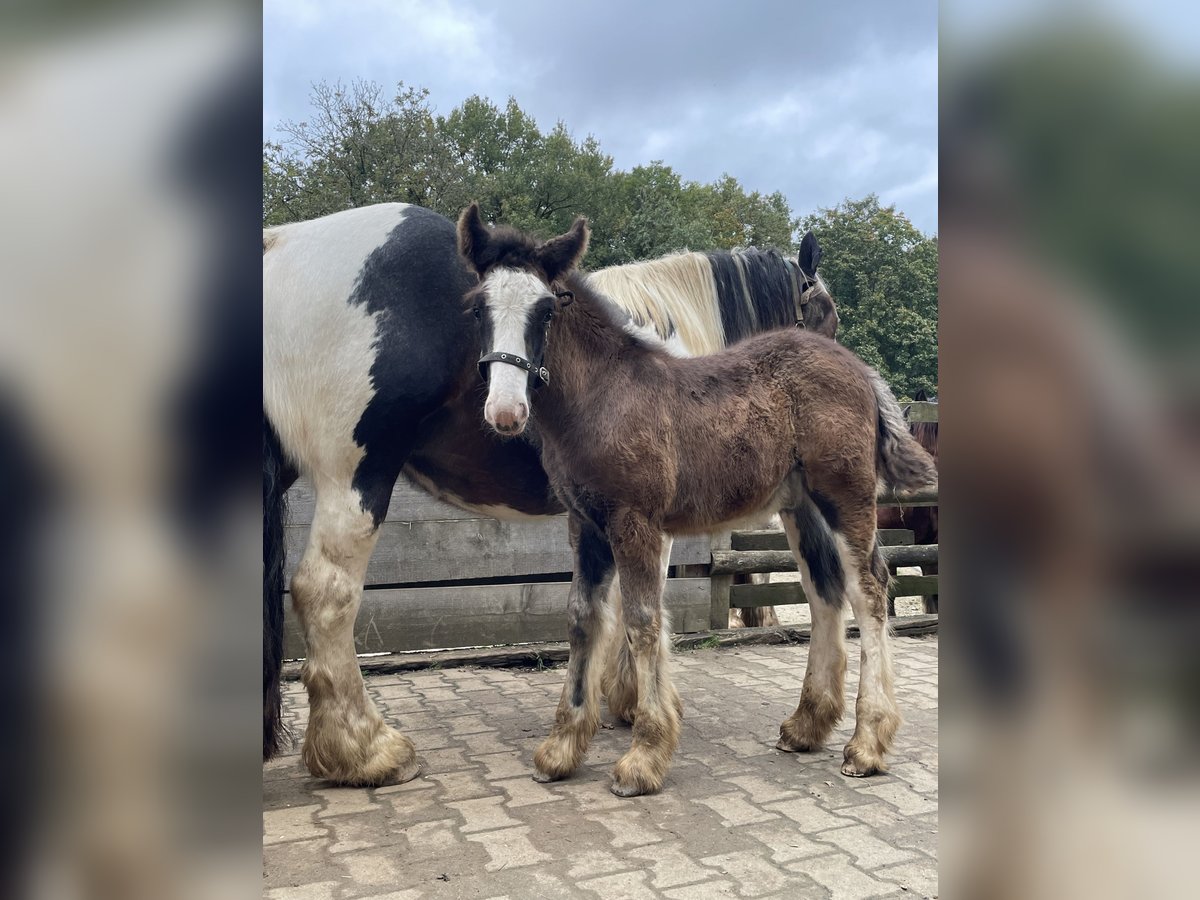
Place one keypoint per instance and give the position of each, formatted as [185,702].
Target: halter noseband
[513,360]
[519,361]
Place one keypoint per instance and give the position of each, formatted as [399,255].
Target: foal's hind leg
[347,740]
[876,717]
[822,699]
[637,549]
[578,712]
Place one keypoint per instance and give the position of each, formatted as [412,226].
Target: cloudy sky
[819,100]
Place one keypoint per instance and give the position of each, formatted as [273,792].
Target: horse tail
[275,484]
[901,462]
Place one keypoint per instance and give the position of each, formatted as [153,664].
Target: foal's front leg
[637,548]
[619,683]
[578,712]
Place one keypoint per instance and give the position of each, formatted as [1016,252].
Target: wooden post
[720,584]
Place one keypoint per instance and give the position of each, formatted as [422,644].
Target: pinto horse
[368,375]
[639,444]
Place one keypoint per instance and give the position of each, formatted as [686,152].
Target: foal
[638,443]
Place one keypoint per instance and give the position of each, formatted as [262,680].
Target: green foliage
[358,147]
[882,272]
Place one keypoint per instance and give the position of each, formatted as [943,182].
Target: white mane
[677,290]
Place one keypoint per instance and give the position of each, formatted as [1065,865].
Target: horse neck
[582,350]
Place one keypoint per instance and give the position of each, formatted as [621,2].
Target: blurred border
[130,180]
[1069,207]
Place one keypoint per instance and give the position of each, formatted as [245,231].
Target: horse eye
[549,316]
[478,311]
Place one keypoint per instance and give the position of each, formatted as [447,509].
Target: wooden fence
[441,577]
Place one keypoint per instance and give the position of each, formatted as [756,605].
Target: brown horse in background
[922,521]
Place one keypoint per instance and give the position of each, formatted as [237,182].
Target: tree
[882,273]
[359,147]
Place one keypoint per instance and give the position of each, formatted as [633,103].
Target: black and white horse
[369,374]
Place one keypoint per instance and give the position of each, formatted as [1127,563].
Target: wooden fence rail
[746,562]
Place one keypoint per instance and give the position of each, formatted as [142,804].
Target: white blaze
[511,295]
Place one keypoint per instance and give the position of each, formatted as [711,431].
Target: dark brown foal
[639,444]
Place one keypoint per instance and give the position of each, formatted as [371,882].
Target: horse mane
[675,295]
[750,283]
[711,299]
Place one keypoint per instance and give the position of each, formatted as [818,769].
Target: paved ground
[737,818]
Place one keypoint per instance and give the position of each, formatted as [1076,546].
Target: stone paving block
[447,759]
[918,880]
[669,866]
[524,791]
[463,785]
[481,742]
[372,869]
[628,886]
[591,863]
[629,827]
[837,874]
[744,747]
[296,824]
[808,814]
[903,797]
[367,832]
[470,724]
[869,851]
[754,875]
[509,848]
[323,890]
[406,808]
[297,863]
[503,764]
[760,790]
[399,697]
[709,889]
[786,843]
[916,776]
[483,814]
[425,739]
[436,835]
[734,809]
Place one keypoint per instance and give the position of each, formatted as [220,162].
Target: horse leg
[619,684]
[930,600]
[754,616]
[346,740]
[639,550]
[822,699]
[876,717]
[588,617]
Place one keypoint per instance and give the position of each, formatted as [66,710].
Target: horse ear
[472,237]
[560,255]
[810,255]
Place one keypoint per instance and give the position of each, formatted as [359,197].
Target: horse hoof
[628,790]
[856,766]
[788,747]
[406,772]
